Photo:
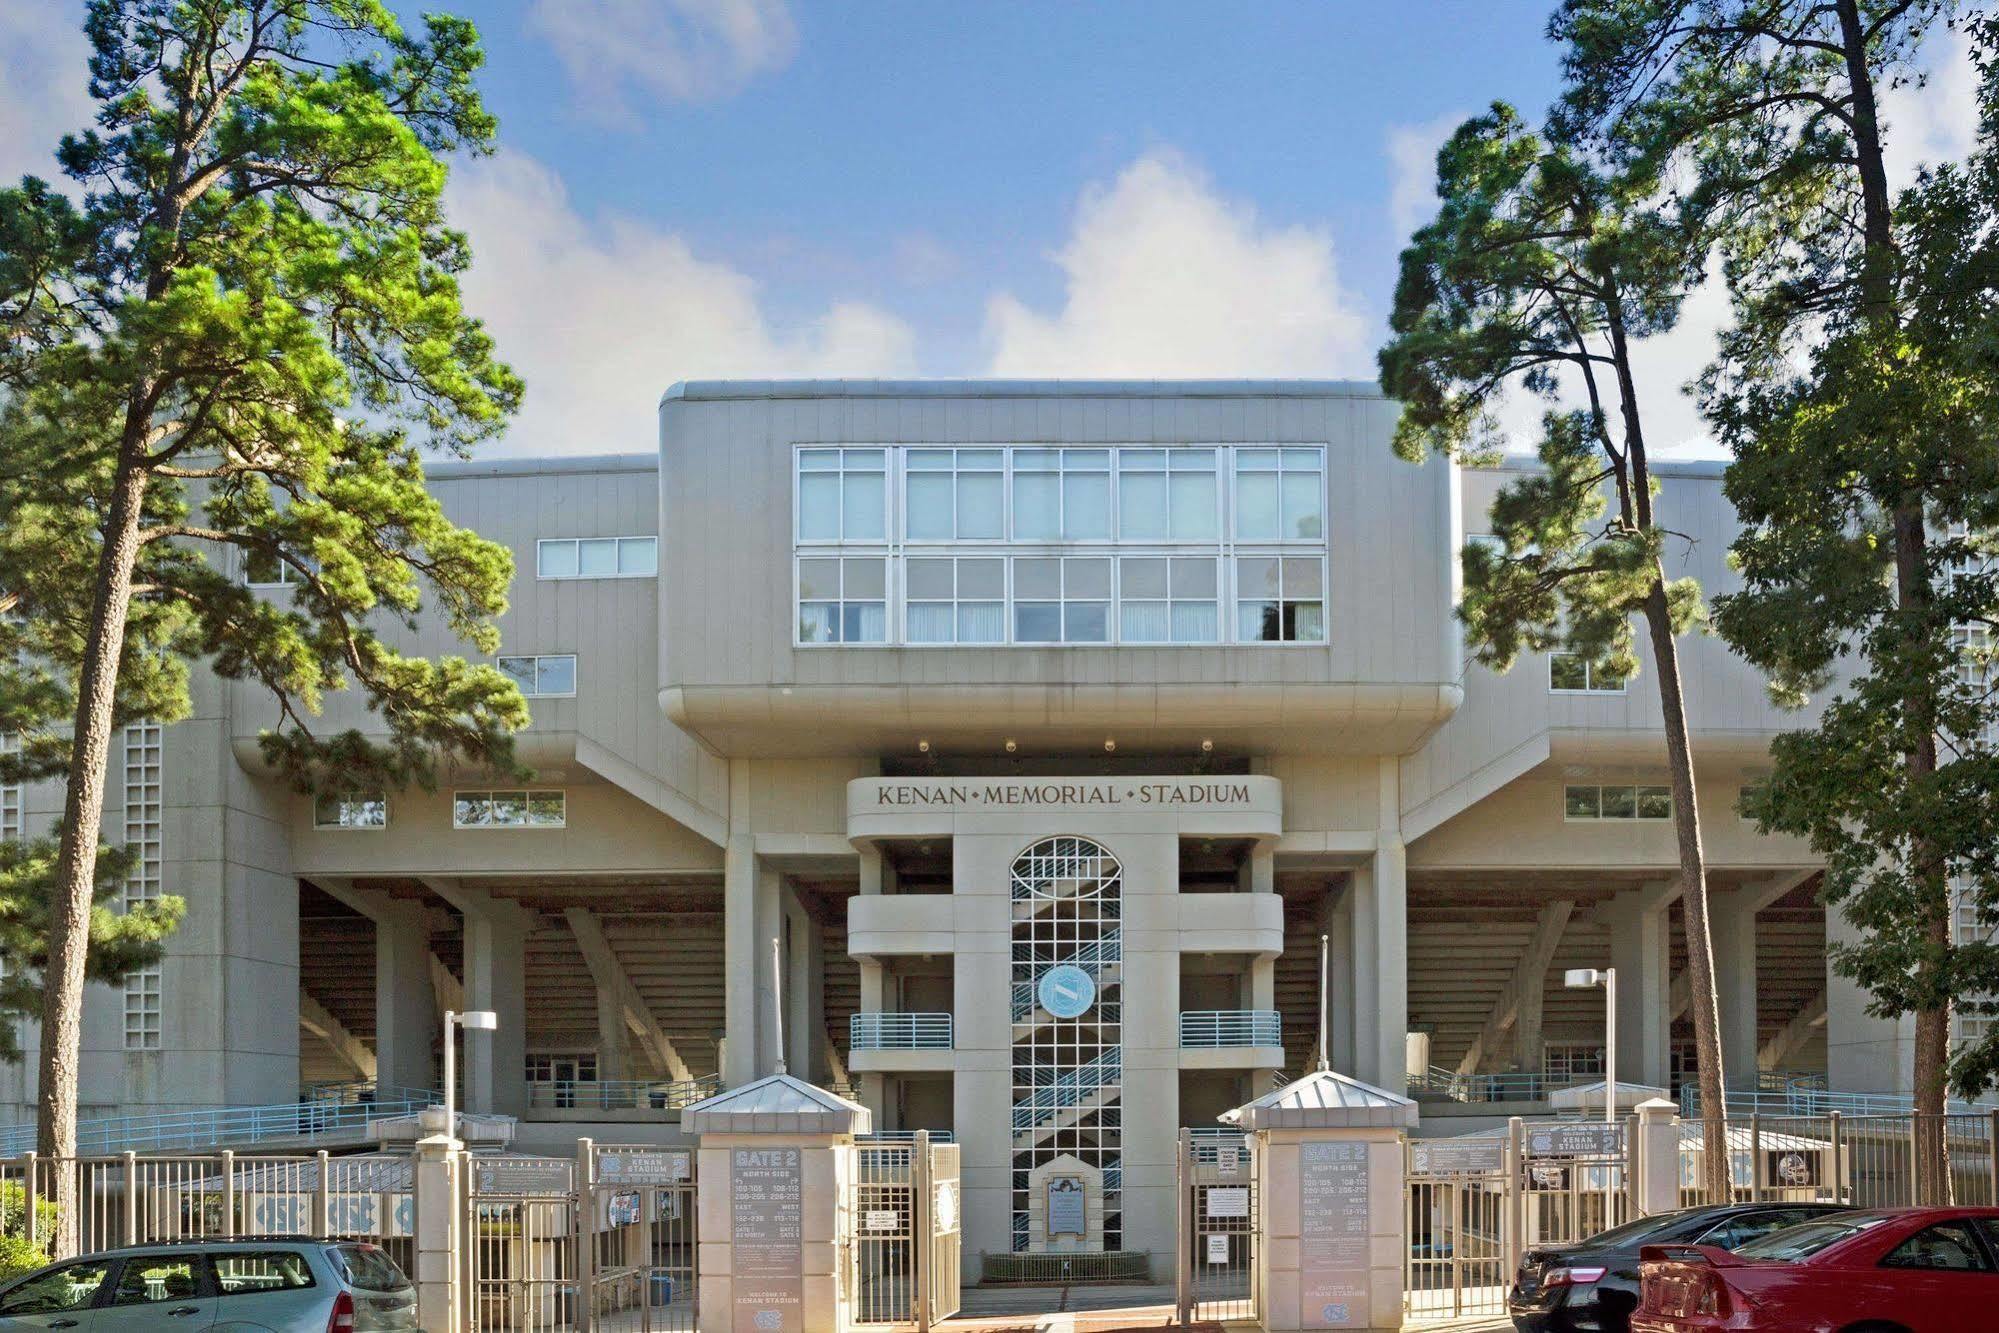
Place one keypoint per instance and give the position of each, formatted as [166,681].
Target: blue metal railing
[905,1136]
[1513,1086]
[1807,1095]
[622,1094]
[1213,1143]
[322,1113]
[899,1032]
[1043,1104]
[1211,1029]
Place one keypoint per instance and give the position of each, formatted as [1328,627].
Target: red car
[1904,1270]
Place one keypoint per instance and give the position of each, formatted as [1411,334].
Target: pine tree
[228,351]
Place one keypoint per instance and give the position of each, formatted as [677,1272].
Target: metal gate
[641,1242]
[1217,1259]
[1575,1179]
[907,1232]
[522,1258]
[1456,1204]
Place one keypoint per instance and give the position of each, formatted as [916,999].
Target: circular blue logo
[1067,991]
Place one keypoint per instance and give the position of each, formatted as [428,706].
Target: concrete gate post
[777,1164]
[1331,1232]
[1658,1154]
[436,1177]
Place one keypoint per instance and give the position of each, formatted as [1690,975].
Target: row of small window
[1061,599]
[1042,494]
[1592,802]
[554,558]
[508,808]
[1572,673]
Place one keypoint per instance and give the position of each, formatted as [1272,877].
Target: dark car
[1592,1286]
[1907,1270]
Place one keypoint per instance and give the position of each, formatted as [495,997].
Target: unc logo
[769,1319]
[1334,1310]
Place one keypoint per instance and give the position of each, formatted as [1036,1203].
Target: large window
[368,810]
[596,557]
[1060,545]
[1588,802]
[1572,673]
[543,676]
[508,809]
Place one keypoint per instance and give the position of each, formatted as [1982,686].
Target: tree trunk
[1716,1181]
[82,829]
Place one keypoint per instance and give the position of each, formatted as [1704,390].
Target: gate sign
[1581,1138]
[1228,1201]
[522,1177]
[1334,1211]
[1218,1248]
[767,1234]
[1066,1216]
[630,1166]
[883,1219]
[1456,1157]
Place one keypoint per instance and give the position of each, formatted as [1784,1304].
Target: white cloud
[1165,277]
[600,317]
[1935,121]
[43,78]
[686,50]
[1412,158]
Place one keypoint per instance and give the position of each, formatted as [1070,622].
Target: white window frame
[896,549]
[1637,790]
[575,673]
[341,823]
[902,474]
[1220,601]
[1589,673]
[528,796]
[890,602]
[142,1009]
[288,576]
[958,599]
[617,558]
[890,466]
[1284,466]
[1236,598]
[13,816]
[145,809]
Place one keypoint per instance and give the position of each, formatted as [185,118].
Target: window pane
[930,579]
[818,580]
[1620,803]
[1086,622]
[1086,578]
[510,807]
[1256,505]
[1086,505]
[821,460]
[520,670]
[981,514]
[597,557]
[1037,577]
[545,808]
[930,506]
[982,578]
[1037,508]
[864,622]
[864,510]
[931,622]
[1144,622]
[1196,622]
[71,1288]
[151,1280]
[472,809]
[981,622]
[1566,672]
[1256,576]
[816,621]
[1142,509]
[1144,578]
[929,460]
[326,810]
[249,1274]
[1582,802]
[1194,577]
[556,560]
[1037,622]
[638,555]
[1302,506]
[1655,803]
[1256,621]
[865,578]
[262,567]
[555,675]
[1307,622]
[819,507]
[1194,508]
[1303,578]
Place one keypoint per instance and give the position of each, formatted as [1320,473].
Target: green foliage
[249,315]
[121,942]
[17,1253]
[1537,271]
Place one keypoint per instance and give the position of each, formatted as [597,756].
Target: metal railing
[1210,1029]
[899,1032]
[1511,1086]
[1036,1109]
[1807,1095]
[622,1094]
[1108,949]
[905,1136]
[308,1120]
[1212,1143]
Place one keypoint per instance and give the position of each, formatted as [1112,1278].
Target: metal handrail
[1806,1095]
[1109,948]
[1509,1086]
[899,1032]
[308,1119]
[1067,1090]
[1211,1029]
[622,1094]
[905,1136]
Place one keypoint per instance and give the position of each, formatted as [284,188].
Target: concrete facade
[774,848]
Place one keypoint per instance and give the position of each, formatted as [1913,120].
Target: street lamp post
[1585,978]
[473,1020]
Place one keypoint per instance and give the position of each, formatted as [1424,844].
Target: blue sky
[764,188]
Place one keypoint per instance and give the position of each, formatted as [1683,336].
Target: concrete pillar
[496,979]
[406,1017]
[739,995]
[800,936]
[1262,984]
[1732,923]
[1322,1263]
[1263,869]
[1638,950]
[1340,985]
[1658,1152]
[1381,957]
[1864,1053]
[614,1047]
[435,1185]
[1527,1043]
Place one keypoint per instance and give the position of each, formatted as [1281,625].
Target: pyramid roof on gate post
[1324,1099]
[1589,1096]
[776,1104]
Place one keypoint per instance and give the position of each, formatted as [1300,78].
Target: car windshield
[369,1269]
[1791,1244]
[1636,1232]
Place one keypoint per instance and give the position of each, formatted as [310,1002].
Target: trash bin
[662,1288]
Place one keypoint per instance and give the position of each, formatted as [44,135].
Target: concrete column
[1732,922]
[406,1017]
[614,1047]
[769,916]
[1340,985]
[435,1184]
[1527,1041]
[1658,1157]
[496,979]
[1864,1053]
[1263,869]
[739,994]
[1312,1180]
[789,1179]
[1262,983]
[799,1041]
[1381,1010]
[1638,950]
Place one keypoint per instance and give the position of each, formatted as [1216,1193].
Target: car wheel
[1874,1328]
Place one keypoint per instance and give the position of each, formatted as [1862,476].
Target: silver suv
[283,1284]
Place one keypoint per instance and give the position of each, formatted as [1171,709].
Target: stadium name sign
[1062,793]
